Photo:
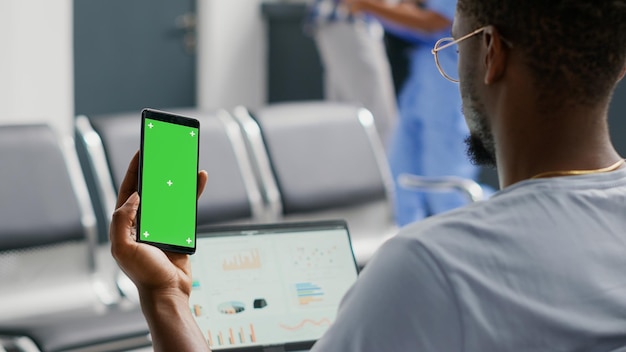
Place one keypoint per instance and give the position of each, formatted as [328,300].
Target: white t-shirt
[541,266]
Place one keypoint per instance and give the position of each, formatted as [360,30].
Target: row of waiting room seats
[285,162]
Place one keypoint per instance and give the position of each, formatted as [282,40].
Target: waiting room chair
[52,295]
[322,160]
[112,140]
[231,194]
[47,228]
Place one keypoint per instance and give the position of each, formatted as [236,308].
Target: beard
[478,153]
[481,147]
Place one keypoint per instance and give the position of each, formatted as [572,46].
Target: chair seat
[110,330]
[60,284]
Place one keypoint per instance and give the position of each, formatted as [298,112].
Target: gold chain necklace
[613,167]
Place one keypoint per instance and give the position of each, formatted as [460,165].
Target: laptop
[270,287]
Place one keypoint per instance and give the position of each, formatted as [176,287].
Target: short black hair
[575,48]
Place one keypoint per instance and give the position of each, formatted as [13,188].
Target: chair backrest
[320,160]
[231,193]
[47,225]
[323,155]
[40,203]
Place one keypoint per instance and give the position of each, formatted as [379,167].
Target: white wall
[36,58]
[36,62]
[231,54]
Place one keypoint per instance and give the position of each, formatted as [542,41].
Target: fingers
[129,185]
[202,180]
[123,221]
[122,226]
[128,199]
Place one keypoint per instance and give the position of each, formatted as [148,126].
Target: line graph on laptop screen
[270,288]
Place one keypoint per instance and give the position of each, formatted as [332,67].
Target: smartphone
[168,181]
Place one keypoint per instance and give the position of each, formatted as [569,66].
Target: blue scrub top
[446,8]
[429,137]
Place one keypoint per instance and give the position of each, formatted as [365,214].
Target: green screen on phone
[169,171]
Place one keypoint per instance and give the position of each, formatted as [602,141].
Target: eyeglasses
[449,68]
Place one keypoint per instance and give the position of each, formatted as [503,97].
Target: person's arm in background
[163,279]
[403,14]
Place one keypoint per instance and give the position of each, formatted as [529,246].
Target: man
[541,265]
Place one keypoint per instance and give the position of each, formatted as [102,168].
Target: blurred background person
[428,138]
[353,56]
[398,49]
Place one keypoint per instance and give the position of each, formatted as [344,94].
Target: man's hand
[147,266]
[163,279]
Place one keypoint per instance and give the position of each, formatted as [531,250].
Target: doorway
[131,54]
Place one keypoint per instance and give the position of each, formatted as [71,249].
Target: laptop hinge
[274,349]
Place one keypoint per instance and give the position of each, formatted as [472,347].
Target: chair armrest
[469,188]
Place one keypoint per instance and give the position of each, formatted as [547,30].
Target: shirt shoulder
[402,301]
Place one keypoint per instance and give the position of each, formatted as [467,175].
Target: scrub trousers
[428,139]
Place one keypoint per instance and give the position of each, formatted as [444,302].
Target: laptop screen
[270,284]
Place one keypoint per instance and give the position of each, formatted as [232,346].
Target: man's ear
[495,54]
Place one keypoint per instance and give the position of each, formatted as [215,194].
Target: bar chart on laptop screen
[246,260]
[240,335]
[269,289]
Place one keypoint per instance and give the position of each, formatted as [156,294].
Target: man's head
[574,51]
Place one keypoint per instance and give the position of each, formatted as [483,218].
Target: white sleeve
[401,302]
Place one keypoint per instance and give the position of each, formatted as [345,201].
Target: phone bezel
[174,118]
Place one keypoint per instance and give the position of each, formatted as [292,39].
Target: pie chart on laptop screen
[232,307]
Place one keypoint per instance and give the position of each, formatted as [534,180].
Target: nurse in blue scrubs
[428,139]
